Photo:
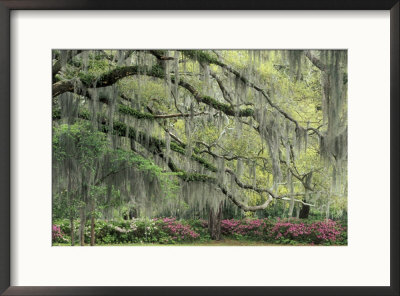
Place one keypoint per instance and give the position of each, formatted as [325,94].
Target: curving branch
[241,205]
[156,147]
[113,76]
[129,111]
[203,57]
[224,91]
[160,55]
[315,61]
[58,65]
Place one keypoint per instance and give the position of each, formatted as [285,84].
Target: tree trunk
[327,211]
[82,226]
[214,223]
[297,212]
[291,189]
[72,231]
[305,210]
[82,210]
[92,226]
[71,210]
[291,207]
[283,212]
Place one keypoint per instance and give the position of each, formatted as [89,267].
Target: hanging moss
[295,62]
[181,150]
[120,129]
[119,120]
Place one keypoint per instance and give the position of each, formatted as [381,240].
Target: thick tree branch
[58,65]
[113,76]
[160,55]
[203,57]
[315,61]
[156,146]
[127,110]
[224,91]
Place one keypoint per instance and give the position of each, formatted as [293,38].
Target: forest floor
[222,242]
[229,242]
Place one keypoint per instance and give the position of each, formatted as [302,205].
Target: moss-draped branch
[111,77]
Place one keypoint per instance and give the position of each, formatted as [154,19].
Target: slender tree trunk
[92,225]
[71,211]
[327,211]
[297,212]
[82,211]
[214,223]
[71,222]
[291,207]
[283,212]
[82,226]
[291,189]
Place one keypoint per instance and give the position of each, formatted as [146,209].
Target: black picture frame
[6,6]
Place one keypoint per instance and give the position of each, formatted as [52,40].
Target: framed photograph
[201,148]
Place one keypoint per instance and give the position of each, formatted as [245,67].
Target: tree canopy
[186,132]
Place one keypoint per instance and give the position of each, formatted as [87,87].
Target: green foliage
[78,142]
[228,125]
[87,78]
[171,231]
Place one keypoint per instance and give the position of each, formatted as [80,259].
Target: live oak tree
[172,132]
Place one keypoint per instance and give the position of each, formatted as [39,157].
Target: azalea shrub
[200,226]
[157,230]
[58,235]
[246,228]
[177,230]
[172,231]
[292,231]
[317,232]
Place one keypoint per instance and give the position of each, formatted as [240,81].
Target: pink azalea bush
[319,232]
[282,231]
[247,227]
[57,235]
[177,230]
[171,231]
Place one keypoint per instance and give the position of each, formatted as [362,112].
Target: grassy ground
[223,242]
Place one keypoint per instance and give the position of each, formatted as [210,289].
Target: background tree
[227,132]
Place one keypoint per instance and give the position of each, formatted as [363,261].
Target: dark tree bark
[82,212]
[72,231]
[57,66]
[305,210]
[71,201]
[92,225]
[82,226]
[214,223]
